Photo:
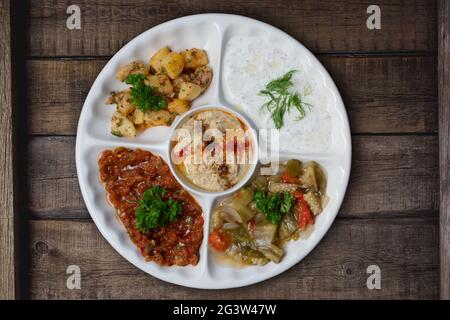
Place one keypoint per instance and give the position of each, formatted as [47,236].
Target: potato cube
[123,102]
[135,67]
[172,65]
[178,106]
[189,91]
[157,118]
[155,60]
[138,117]
[194,58]
[161,83]
[121,126]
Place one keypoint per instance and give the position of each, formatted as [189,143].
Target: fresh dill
[282,100]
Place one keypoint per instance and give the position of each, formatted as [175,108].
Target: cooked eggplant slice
[263,216]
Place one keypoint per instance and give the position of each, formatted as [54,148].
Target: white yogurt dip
[249,64]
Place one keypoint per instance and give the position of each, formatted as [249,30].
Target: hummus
[217,155]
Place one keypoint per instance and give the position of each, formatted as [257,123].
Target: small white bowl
[180,176]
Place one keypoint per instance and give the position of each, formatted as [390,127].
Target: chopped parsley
[153,211]
[143,96]
[275,205]
[281,100]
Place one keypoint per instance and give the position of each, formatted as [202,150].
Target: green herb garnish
[144,96]
[153,211]
[282,100]
[274,206]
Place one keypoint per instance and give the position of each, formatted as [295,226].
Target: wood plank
[382,94]
[323,26]
[444,143]
[387,94]
[391,176]
[406,250]
[8,275]
[66,85]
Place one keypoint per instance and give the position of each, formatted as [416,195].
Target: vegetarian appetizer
[276,91]
[222,132]
[252,225]
[159,92]
[161,218]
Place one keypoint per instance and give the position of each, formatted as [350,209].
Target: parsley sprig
[274,206]
[281,100]
[153,211]
[144,96]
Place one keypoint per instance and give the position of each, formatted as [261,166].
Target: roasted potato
[172,65]
[194,58]
[176,83]
[138,117]
[123,102]
[157,118]
[121,126]
[178,77]
[189,91]
[178,106]
[202,76]
[112,98]
[155,60]
[135,67]
[161,83]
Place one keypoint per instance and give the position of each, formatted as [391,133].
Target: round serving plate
[211,32]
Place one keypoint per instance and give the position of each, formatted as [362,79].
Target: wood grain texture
[391,176]
[381,94]
[7,203]
[323,26]
[404,249]
[444,143]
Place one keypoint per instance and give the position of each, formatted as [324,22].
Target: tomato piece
[305,216]
[298,195]
[219,240]
[251,226]
[287,178]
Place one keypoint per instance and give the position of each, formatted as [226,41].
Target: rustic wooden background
[444,142]
[388,80]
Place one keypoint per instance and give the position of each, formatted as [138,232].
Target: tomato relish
[126,175]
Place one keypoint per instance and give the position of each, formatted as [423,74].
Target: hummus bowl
[242,64]
[208,179]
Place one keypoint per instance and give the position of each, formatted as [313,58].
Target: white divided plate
[210,32]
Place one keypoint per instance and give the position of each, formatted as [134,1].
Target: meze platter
[213,151]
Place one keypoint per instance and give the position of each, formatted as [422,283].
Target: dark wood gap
[356,54]
[432,215]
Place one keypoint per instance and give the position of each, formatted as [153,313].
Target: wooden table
[389,82]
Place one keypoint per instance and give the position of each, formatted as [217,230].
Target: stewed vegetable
[253,224]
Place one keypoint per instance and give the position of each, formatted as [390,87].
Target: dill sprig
[281,100]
